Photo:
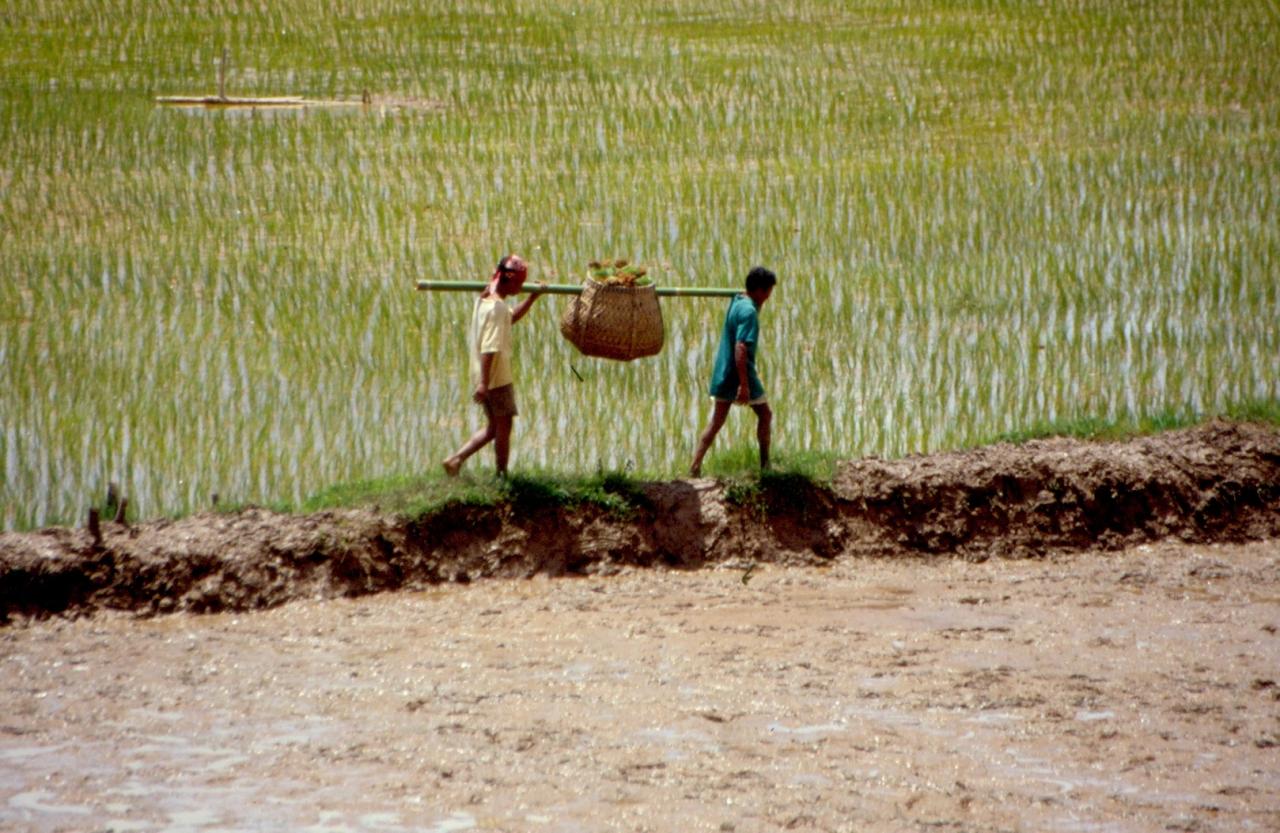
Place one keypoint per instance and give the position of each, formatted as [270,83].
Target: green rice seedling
[984,217]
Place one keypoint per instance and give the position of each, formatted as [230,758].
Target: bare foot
[451,467]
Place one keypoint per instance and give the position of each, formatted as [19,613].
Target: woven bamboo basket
[614,322]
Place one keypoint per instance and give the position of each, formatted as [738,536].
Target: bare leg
[478,441]
[718,415]
[764,431]
[502,442]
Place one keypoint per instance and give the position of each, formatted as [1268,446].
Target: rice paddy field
[984,215]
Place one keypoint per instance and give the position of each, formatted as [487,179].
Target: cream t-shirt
[491,333]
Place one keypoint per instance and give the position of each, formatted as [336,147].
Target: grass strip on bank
[793,476]
[1265,411]
[419,496]
[615,492]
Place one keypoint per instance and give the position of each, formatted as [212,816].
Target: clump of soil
[1219,482]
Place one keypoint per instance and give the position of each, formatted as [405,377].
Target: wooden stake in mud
[222,75]
[95,528]
[221,99]
[113,498]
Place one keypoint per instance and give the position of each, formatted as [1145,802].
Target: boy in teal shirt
[734,378]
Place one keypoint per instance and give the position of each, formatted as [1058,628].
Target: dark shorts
[759,400]
[501,402]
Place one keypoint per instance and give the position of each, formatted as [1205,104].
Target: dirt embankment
[1219,482]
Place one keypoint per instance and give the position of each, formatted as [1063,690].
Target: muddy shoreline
[1058,636]
[1131,691]
[1216,483]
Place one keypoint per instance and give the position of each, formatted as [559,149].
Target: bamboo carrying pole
[573,289]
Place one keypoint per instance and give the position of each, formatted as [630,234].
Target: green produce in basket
[619,273]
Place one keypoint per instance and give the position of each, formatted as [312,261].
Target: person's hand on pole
[524,305]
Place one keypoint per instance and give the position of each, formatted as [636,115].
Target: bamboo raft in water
[220,101]
[224,100]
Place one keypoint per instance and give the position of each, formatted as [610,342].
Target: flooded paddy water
[983,221]
[1129,691]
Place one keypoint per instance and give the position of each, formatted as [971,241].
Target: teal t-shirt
[741,323]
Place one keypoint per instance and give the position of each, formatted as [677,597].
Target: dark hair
[760,278]
[511,265]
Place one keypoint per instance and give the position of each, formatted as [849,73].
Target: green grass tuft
[743,461]
[417,496]
[1256,410]
[413,496]
[786,485]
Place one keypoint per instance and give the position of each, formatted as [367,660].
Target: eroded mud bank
[1216,483]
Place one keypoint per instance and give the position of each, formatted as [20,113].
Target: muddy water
[1122,692]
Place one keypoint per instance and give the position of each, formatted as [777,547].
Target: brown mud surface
[1133,690]
[1216,483]
[1058,636]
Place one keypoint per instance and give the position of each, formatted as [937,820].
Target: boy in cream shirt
[490,340]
